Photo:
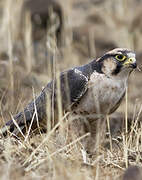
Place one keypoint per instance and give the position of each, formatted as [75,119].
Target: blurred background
[40,37]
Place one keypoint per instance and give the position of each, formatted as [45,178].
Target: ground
[89,29]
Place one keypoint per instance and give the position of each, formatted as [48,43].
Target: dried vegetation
[66,34]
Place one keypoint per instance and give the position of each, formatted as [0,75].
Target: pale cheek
[108,68]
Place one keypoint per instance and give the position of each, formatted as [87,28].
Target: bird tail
[34,116]
[16,126]
[23,123]
[31,118]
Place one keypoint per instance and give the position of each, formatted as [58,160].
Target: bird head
[118,62]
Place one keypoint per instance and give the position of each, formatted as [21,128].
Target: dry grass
[60,154]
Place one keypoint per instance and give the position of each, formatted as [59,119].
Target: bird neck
[123,75]
[89,68]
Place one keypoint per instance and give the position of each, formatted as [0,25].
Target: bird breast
[103,96]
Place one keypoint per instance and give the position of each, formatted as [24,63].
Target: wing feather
[73,85]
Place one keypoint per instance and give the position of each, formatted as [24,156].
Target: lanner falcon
[95,88]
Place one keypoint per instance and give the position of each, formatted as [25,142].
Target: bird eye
[120,57]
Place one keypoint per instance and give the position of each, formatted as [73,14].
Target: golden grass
[59,154]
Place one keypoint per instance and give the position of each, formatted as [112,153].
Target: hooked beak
[131,62]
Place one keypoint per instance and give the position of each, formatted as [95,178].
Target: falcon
[96,89]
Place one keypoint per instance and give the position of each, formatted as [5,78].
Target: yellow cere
[129,61]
